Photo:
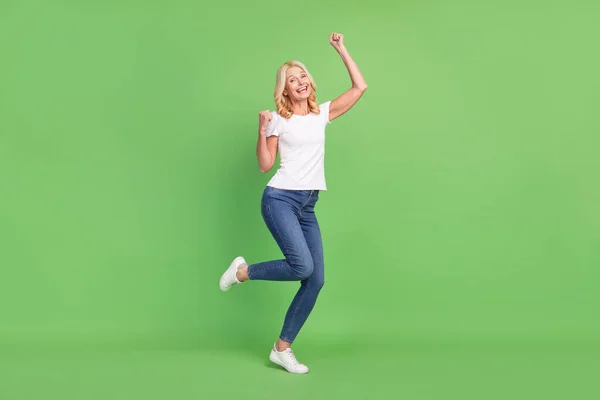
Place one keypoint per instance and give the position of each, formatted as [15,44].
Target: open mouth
[302,89]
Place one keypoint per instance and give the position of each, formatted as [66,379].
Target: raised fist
[264,117]
[336,40]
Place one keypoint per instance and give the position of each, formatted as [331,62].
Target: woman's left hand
[337,40]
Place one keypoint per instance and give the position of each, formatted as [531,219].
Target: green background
[461,226]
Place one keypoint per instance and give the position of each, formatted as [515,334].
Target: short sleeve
[325,111]
[274,127]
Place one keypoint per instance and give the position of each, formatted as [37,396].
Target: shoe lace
[292,357]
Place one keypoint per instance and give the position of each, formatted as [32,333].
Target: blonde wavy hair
[283,103]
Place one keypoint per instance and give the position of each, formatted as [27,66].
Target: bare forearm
[358,81]
[265,161]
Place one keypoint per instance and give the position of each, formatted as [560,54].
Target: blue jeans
[290,216]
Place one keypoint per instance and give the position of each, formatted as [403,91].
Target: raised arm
[349,98]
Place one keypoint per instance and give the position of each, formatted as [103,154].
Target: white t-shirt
[301,150]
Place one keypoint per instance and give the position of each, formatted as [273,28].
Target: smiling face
[297,84]
[295,90]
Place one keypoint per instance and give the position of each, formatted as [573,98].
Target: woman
[297,130]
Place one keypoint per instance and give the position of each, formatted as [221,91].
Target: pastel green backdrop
[463,201]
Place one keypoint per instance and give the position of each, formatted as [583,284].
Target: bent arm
[266,151]
[348,99]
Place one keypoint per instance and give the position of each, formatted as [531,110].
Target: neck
[300,107]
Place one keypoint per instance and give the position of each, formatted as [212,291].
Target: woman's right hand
[264,117]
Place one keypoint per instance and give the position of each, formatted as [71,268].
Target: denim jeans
[290,217]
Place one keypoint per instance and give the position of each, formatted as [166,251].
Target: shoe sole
[276,361]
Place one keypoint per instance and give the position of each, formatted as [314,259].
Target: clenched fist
[264,117]
[336,40]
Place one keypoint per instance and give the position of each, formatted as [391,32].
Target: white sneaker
[228,279]
[287,360]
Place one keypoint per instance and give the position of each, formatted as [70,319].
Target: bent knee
[304,270]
